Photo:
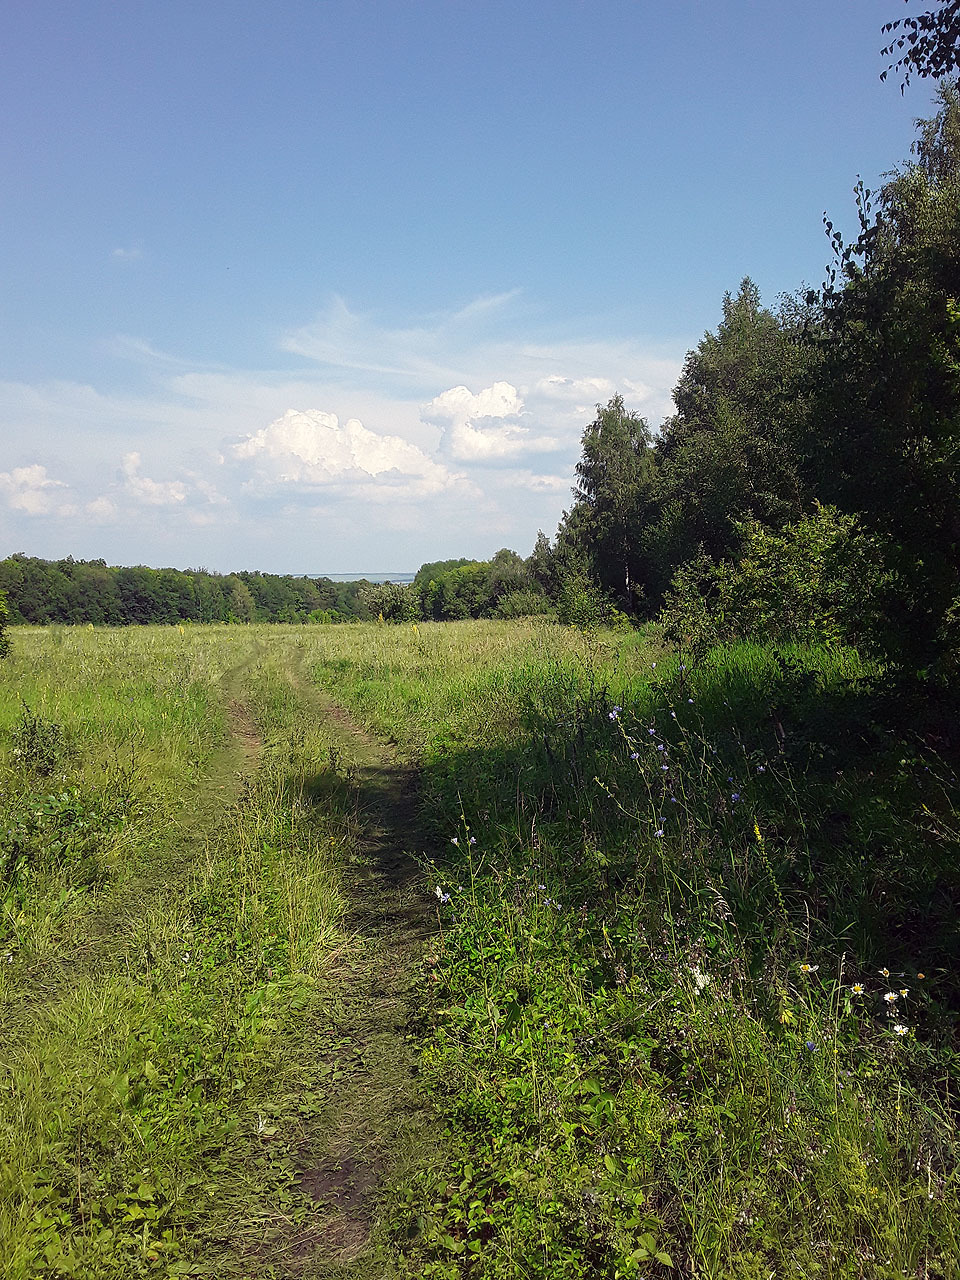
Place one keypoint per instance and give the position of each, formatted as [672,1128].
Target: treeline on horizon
[805,489]
[68,591]
[42,592]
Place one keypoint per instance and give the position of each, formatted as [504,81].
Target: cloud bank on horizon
[387,447]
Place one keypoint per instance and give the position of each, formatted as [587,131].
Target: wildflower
[921,976]
[700,979]
[761,768]
[689,699]
[651,732]
[885,973]
[673,715]
[904,991]
[809,968]
[614,712]
[659,832]
[891,997]
[899,1029]
[454,840]
[682,667]
[473,839]
[653,666]
[664,767]
[443,898]
[857,989]
[811,1046]
[634,755]
[735,796]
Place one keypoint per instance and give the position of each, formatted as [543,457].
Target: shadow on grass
[819,800]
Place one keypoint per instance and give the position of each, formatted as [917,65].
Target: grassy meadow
[694,986]
[689,1006]
[170,896]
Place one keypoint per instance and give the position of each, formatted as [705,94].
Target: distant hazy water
[358,577]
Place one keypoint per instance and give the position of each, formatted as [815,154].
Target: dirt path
[375,1122]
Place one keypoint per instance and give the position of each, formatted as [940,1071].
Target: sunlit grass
[628,1058]
[164,941]
[644,852]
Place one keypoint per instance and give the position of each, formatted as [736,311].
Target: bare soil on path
[374,1122]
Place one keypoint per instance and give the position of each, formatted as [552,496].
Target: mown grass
[165,937]
[676,900]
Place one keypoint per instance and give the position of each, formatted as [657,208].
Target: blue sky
[311,286]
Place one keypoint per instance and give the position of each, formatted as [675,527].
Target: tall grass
[696,971]
[166,932]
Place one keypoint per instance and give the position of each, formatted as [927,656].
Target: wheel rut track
[346,1162]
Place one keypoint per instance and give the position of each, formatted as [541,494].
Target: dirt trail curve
[372,1123]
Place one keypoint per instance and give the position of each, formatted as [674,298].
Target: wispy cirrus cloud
[498,337]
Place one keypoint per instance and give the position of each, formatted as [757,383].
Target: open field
[179,960]
[673,989]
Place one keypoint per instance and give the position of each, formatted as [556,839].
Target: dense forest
[40,592]
[79,591]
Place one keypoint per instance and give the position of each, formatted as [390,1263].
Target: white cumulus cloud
[313,449]
[31,490]
[486,426]
[154,493]
[101,510]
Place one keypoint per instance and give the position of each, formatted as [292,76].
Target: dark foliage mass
[928,44]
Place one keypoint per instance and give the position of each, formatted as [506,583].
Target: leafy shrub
[392,601]
[523,604]
[38,744]
[64,830]
[815,582]
[581,603]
